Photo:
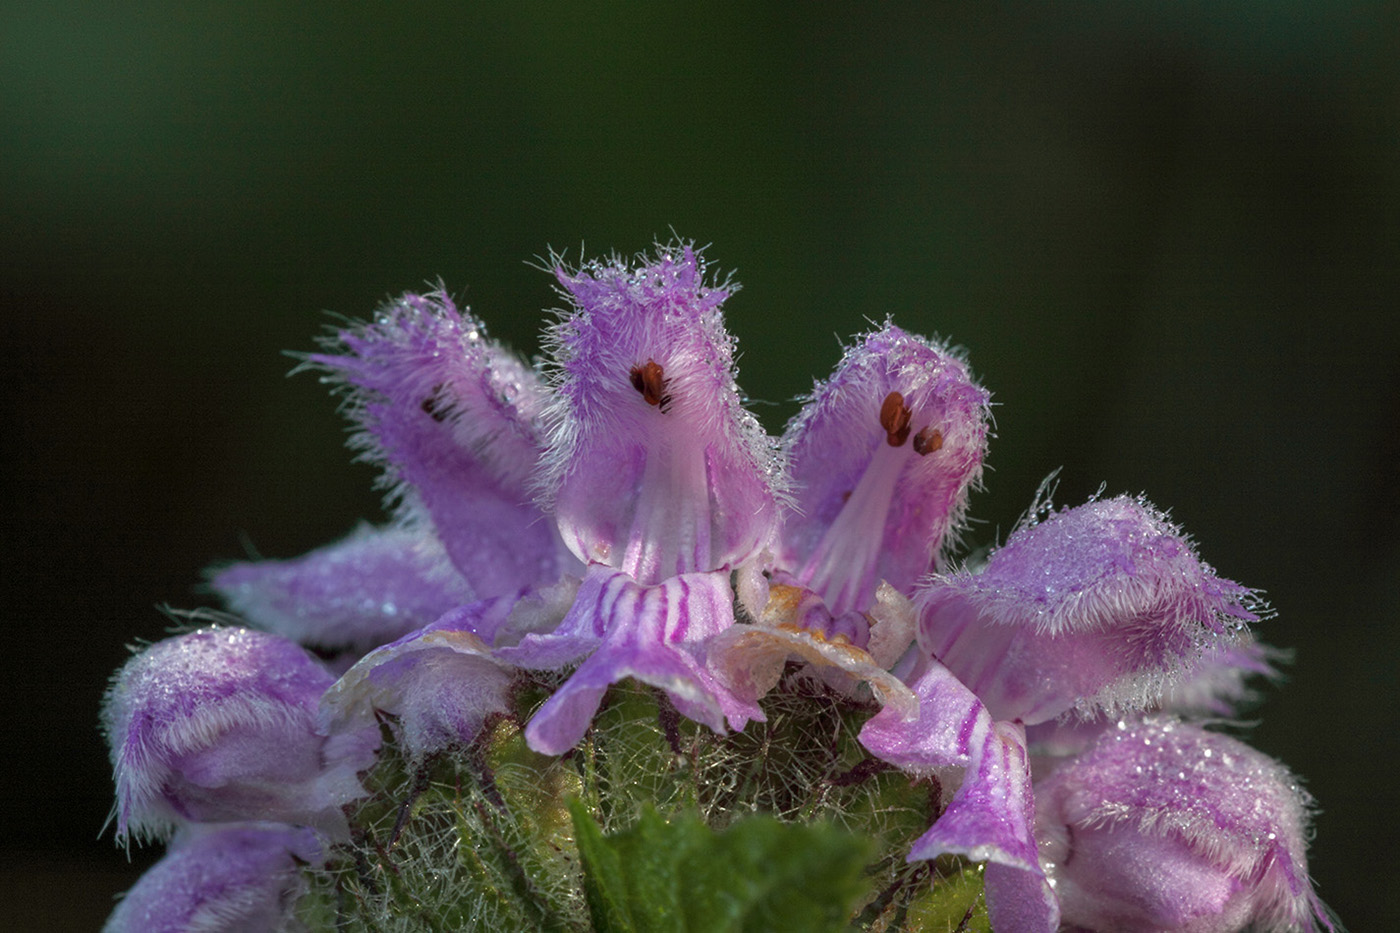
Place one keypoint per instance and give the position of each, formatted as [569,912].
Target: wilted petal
[991,814]
[796,624]
[1100,607]
[894,627]
[536,610]
[370,588]
[654,634]
[454,419]
[1164,826]
[883,455]
[441,683]
[220,724]
[655,468]
[230,878]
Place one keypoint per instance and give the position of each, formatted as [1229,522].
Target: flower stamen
[894,418]
[927,441]
[650,380]
[433,406]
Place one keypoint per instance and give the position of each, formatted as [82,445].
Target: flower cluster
[616,514]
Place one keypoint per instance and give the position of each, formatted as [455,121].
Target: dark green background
[1167,234]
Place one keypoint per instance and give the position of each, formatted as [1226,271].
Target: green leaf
[954,903]
[679,876]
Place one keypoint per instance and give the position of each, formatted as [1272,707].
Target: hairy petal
[1219,684]
[441,682]
[230,878]
[220,724]
[368,589]
[655,634]
[1215,688]
[883,456]
[454,419]
[655,468]
[1100,607]
[1161,825]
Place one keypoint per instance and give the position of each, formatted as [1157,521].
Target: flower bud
[230,878]
[219,725]
[1163,826]
[1100,608]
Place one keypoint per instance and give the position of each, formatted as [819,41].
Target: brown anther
[894,418]
[433,404]
[927,441]
[651,382]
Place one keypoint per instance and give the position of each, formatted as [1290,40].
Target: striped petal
[655,634]
[991,815]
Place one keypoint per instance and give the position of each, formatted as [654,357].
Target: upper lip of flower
[652,465]
[1100,608]
[884,454]
[456,421]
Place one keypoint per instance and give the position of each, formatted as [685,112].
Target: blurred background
[1168,235]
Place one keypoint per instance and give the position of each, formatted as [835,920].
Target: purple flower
[604,516]
[230,878]
[659,480]
[1163,826]
[648,469]
[1099,608]
[455,419]
[456,422]
[372,587]
[220,724]
[654,466]
[442,683]
[883,455]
